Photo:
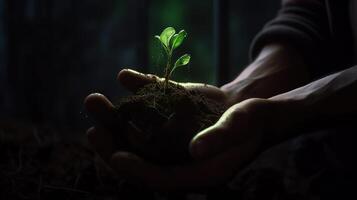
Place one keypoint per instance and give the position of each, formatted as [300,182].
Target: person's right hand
[218,151]
[102,110]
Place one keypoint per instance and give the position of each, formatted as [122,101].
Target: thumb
[134,80]
[209,142]
[228,131]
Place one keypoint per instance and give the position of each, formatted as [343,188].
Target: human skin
[262,99]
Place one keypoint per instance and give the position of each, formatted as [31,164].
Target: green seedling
[170,41]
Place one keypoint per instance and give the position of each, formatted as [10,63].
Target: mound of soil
[158,123]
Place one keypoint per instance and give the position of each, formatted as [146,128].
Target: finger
[102,142]
[134,80]
[211,172]
[228,131]
[101,109]
[209,142]
[217,169]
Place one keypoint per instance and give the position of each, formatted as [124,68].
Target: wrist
[230,94]
[278,69]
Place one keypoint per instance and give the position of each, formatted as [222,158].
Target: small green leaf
[158,37]
[183,60]
[173,38]
[177,41]
[166,35]
[163,45]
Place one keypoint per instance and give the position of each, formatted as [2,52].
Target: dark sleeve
[303,24]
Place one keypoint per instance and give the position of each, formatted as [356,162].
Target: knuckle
[257,105]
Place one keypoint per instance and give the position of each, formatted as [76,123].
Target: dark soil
[159,123]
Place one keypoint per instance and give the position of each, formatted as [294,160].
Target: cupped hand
[103,112]
[219,150]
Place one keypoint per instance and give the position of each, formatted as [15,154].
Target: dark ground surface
[41,163]
[38,162]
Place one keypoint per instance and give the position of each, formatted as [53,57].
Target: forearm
[328,99]
[277,69]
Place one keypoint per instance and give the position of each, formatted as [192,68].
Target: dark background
[55,52]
